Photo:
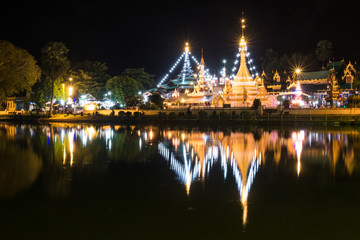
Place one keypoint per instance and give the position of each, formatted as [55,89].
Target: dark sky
[152,35]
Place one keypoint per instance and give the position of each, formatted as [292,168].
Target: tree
[145,79]
[122,87]
[18,70]
[357,79]
[54,64]
[90,77]
[41,90]
[323,51]
[156,99]
[301,60]
[270,63]
[256,103]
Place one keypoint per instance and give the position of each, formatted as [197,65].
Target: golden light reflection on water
[191,155]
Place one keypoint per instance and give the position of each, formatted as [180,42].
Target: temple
[245,88]
[195,87]
[330,86]
[202,90]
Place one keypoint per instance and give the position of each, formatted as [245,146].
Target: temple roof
[313,75]
[347,86]
[335,65]
[312,88]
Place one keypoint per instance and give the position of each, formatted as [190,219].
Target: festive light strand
[249,62]
[186,67]
[171,70]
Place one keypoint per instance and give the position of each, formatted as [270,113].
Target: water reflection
[192,155]
[57,152]
[61,149]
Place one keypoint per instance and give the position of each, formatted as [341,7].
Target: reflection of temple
[192,155]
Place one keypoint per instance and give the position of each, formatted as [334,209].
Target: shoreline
[241,117]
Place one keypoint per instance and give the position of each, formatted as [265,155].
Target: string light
[186,71]
[171,70]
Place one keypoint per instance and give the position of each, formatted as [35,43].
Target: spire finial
[202,57]
[187,47]
[242,24]
[242,40]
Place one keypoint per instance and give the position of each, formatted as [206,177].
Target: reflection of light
[71,145]
[192,168]
[145,136]
[192,155]
[298,138]
[109,133]
[90,132]
[186,172]
[151,134]
[182,136]
[64,155]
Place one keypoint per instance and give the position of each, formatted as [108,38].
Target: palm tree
[323,51]
[54,64]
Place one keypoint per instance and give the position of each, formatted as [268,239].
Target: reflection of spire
[245,186]
[298,138]
[240,155]
[185,171]
[214,147]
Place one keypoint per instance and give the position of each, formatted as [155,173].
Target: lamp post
[63,85]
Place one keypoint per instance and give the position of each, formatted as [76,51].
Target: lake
[83,181]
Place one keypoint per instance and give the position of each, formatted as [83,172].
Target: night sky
[152,35]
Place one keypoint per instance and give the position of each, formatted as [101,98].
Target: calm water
[117,182]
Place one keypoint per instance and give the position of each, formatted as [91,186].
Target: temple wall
[323,111]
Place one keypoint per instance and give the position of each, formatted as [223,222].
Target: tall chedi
[244,87]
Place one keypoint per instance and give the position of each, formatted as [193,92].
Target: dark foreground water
[128,182]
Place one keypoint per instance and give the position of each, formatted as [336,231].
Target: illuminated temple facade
[245,88]
[208,91]
[330,86]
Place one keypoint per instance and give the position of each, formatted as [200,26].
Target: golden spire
[242,40]
[202,69]
[243,72]
[202,62]
[242,24]
[187,47]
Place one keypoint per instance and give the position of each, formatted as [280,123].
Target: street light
[63,85]
[71,89]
